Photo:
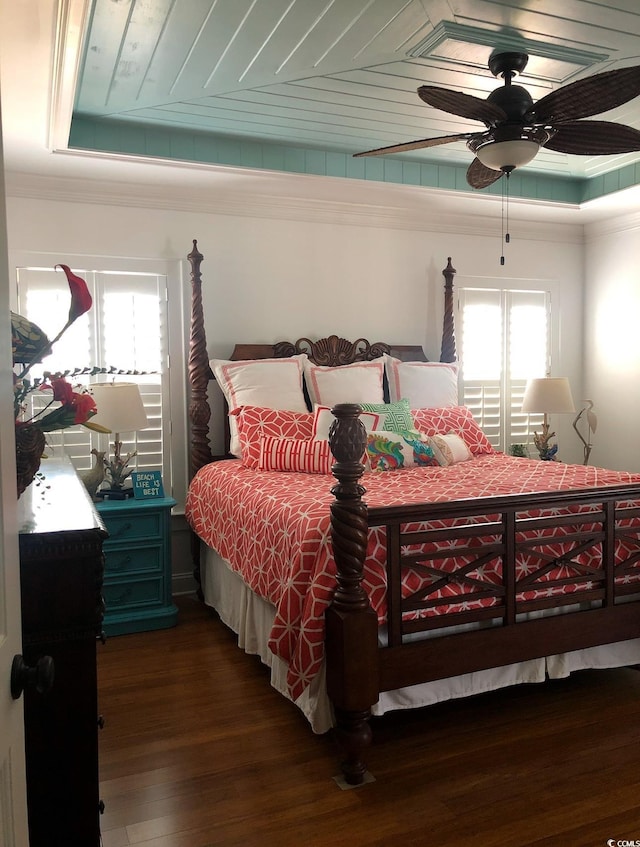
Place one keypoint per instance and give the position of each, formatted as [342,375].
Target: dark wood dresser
[61,567]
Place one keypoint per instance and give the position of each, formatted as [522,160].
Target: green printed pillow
[395,417]
[391,451]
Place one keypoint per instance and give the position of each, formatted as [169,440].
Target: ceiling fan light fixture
[507,155]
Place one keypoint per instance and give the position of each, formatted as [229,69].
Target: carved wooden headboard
[331,351]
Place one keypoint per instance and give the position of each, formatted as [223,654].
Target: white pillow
[323,418]
[426,385]
[360,382]
[449,449]
[269,383]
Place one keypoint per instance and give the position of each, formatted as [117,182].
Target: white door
[13,807]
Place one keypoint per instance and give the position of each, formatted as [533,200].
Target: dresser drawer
[141,524]
[132,593]
[133,559]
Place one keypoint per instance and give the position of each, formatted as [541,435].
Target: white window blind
[126,329]
[505,340]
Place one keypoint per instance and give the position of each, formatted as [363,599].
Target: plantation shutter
[505,341]
[125,330]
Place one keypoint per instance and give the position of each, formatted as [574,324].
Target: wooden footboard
[601,607]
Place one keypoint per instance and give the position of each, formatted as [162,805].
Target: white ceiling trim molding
[70,27]
[447,33]
[612,226]
[424,210]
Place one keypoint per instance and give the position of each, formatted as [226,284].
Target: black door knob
[39,677]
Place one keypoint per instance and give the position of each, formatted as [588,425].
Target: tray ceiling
[204,79]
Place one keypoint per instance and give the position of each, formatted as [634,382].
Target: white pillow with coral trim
[424,384]
[267,383]
[360,382]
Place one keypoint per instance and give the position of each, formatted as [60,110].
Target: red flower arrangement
[30,345]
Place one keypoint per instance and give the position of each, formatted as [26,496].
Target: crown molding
[612,226]
[392,207]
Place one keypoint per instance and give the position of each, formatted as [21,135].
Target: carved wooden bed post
[199,411]
[448,348]
[199,375]
[351,623]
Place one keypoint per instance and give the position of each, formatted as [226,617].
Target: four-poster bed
[439,580]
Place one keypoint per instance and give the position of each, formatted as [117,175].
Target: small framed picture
[147,484]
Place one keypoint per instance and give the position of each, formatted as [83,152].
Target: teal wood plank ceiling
[301,85]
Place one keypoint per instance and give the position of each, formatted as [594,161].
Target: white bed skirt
[251,618]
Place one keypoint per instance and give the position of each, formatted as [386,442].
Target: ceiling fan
[516,127]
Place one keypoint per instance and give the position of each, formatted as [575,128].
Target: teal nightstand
[137,571]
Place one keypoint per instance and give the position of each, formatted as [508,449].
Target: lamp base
[114,493]
[546,450]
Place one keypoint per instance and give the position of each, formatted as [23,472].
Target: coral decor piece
[546,450]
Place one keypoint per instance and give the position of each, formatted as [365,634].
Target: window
[505,341]
[126,329]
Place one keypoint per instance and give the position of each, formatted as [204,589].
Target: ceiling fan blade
[464,105]
[416,145]
[479,176]
[587,97]
[594,138]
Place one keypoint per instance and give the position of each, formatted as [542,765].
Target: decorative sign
[147,484]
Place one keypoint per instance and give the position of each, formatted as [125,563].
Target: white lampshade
[119,405]
[508,155]
[549,395]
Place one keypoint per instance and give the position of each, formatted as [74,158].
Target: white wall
[612,348]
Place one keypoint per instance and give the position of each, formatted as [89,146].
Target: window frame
[547,287]
[173,369]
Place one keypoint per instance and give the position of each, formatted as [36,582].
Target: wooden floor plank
[198,750]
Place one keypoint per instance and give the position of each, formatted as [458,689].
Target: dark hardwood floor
[199,750]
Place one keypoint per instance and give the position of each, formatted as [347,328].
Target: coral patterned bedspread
[274,530]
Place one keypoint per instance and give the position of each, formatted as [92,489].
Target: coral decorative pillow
[293,454]
[256,423]
[323,418]
[360,382]
[449,449]
[456,419]
[269,383]
[424,384]
[391,451]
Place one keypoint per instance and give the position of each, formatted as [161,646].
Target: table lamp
[549,395]
[120,409]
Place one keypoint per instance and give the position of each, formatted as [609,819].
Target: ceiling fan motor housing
[514,100]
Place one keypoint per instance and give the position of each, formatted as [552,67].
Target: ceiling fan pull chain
[502,225]
[507,237]
[502,235]
[505,210]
